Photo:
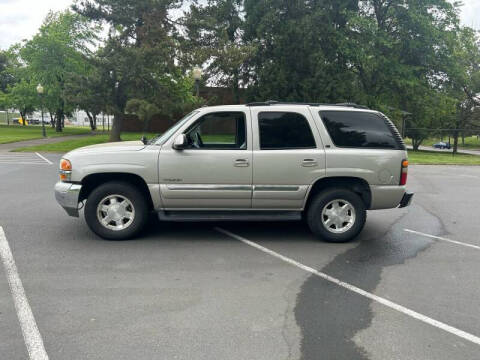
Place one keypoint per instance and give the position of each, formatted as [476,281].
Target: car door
[214,171]
[288,156]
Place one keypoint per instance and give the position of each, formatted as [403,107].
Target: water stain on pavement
[329,316]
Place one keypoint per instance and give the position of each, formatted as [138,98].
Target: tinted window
[358,129]
[284,130]
[220,130]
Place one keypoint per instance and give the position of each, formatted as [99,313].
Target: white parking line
[31,335]
[443,239]
[44,158]
[23,159]
[450,329]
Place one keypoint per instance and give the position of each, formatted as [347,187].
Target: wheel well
[357,185]
[90,182]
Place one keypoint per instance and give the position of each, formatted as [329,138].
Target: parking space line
[44,158]
[443,239]
[23,159]
[21,163]
[390,304]
[31,334]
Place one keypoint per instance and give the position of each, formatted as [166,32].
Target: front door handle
[309,162]
[242,163]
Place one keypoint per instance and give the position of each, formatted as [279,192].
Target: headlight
[65,170]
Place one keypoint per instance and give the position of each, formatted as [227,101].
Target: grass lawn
[471,142]
[438,158]
[415,157]
[66,146]
[13,133]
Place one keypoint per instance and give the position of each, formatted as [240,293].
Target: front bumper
[67,195]
[406,200]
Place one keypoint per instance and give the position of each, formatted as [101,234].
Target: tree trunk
[455,141]
[58,123]
[52,120]
[116,127]
[23,115]
[90,119]
[95,121]
[416,144]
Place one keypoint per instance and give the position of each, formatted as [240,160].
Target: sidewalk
[20,144]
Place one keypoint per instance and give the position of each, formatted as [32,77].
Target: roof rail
[356,106]
[274,102]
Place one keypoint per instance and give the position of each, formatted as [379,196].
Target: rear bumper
[386,196]
[67,195]
[406,200]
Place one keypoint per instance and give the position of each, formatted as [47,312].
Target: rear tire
[336,215]
[116,211]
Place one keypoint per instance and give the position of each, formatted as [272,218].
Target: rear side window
[359,130]
[284,130]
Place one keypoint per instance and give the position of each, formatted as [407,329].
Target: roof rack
[274,102]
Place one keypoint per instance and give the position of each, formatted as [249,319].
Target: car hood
[111,147]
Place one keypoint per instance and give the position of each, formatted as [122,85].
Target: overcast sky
[19,19]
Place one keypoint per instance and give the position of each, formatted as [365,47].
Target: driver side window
[218,131]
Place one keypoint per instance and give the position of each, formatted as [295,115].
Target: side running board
[229,216]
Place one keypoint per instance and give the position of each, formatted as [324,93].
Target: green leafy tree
[465,81]
[56,51]
[213,39]
[86,92]
[6,78]
[301,50]
[144,110]
[138,59]
[20,92]
[23,97]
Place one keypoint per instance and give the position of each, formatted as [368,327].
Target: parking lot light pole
[40,93]
[197,76]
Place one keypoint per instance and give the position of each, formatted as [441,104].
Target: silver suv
[265,161]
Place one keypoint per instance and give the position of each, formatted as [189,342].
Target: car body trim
[276,188]
[209,187]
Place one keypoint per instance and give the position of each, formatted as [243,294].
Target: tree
[56,51]
[464,81]
[20,91]
[213,39]
[302,52]
[23,97]
[87,91]
[138,59]
[6,77]
[144,110]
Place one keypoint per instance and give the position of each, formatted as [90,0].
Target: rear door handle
[309,162]
[241,163]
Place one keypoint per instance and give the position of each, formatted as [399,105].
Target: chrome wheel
[338,216]
[115,212]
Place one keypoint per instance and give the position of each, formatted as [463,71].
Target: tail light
[404,173]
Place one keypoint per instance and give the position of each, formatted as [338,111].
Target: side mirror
[180,142]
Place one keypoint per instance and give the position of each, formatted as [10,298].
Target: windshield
[161,139]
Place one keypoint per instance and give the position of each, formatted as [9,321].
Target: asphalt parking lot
[407,288]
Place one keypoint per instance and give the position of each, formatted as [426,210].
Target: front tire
[116,211]
[336,215]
